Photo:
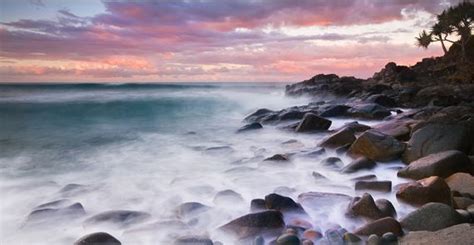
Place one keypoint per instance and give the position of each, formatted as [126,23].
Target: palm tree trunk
[442,44]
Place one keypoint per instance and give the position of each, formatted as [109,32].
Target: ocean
[150,148]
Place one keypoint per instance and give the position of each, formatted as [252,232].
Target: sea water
[150,148]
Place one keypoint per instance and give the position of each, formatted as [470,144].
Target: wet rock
[312,235]
[377,146]
[98,238]
[118,218]
[352,239]
[462,234]
[383,186]
[340,138]
[389,238]
[318,176]
[431,217]
[261,223]
[438,137]
[369,111]
[441,164]
[335,111]
[466,216]
[358,164]
[386,208]
[73,211]
[316,153]
[291,115]
[365,206]
[277,157]
[288,239]
[365,177]
[282,203]
[333,162]
[462,202]
[382,100]
[258,115]
[373,240]
[227,197]
[257,205]
[189,209]
[399,129]
[251,126]
[312,122]
[380,227]
[54,204]
[343,149]
[356,127]
[462,183]
[193,240]
[432,189]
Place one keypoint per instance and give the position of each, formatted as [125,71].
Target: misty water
[151,148]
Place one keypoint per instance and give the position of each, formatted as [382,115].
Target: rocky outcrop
[432,189]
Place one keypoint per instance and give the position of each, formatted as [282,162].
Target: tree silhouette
[454,22]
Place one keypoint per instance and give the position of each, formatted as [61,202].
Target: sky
[208,40]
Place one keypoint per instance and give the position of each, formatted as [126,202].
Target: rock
[438,137]
[365,206]
[288,239]
[118,218]
[432,189]
[98,238]
[333,162]
[350,238]
[462,183]
[258,115]
[466,216]
[431,217]
[277,157]
[462,202]
[343,149]
[373,240]
[356,127]
[282,203]
[382,100]
[334,237]
[291,115]
[441,164]
[257,205]
[318,176]
[251,126]
[335,111]
[380,227]
[365,177]
[399,129]
[462,234]
[189,209]
[386,208]
[369,111]
[307,242]
[73,211]
[193,240]
[227,197]
[312,122]
[54,204]
[389,238]
[270,221]
[377,146]
[358,164]
[73,190]
[383,186]
[340,138]
[312,235]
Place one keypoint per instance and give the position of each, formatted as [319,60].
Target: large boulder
[462,234]
[369,111]
[258,115]
[399,129]
[358,164]
[380,227]
[98,238]
[431,217]
[282,203]
[377,146]
[342,137]
[462,183]
[249,225]
[441,164]
[437,137]
[313,122]
[373,185]
[365,206]
[432,189]
[382,100]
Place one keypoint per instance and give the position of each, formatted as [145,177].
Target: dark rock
[399,129]
[462,183]
[277,157]
[462,202]
[350,238]
[119,218]
[365,177]
[380,227]
[54,204]
[438,137]
[389,238]
[462,234]
[189,209]
[386,207]
[335,111]
[384,186]
[258,115]
[373,240]
[193,240]
[382,100]
[441,164]
[431,217]
[343,149]
[257,205]
[312,122]
[249,225]
[288,239]
[98,238]
[334,162]
[334,237]
[369,111]
[318,176]
[227,197]
[432,189]
[316,153]
[291,115]
[282,203]
[365,206]
[340,138]
[251,126]
[358,164]
[377,146]
[75,210]
[356,127]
